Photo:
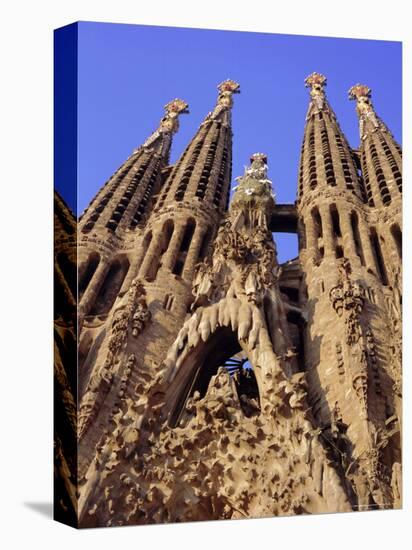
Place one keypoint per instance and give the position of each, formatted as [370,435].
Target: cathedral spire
[380,155]
[124,199]
[203,172]
[368,119]
[224,101]
[168,125]
[327,160]
[317,83]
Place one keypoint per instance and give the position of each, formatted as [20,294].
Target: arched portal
[222,349]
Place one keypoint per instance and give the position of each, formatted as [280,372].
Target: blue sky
[127,73]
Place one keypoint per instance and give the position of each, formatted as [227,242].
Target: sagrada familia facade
[196,378]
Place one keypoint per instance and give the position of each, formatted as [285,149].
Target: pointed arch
[198,368]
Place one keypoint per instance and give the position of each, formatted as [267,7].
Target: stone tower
[110,227]
[160,229]
[353,389]
[214,382]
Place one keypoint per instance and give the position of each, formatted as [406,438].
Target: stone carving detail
[368,119]
[394,308]
[340,361]
[225,99]
[170,122]
[131,310]
[316,82]
[347,300]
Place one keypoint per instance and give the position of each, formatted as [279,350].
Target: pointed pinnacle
[315,80]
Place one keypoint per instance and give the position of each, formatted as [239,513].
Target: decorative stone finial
[259,157]
[229,86]
[169,123]
[358,91]
[316,81]
[224,100]
[368,121]
[174,108]
[226,90]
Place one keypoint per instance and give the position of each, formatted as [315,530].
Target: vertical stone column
[131,274]
[170,255]
[93,288]
[193,253]
[366,245]
[348,238]
[311,237]
[71,300]
[328,237]
[151,254]
[389,252]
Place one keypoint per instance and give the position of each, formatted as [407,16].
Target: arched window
[397,237]
[380,264]
[110,287]
[184,247]
[354,221]
[318,232]
[335,221]
[207,237]
[221,350]
[163,245]
[145,245]
[87,272]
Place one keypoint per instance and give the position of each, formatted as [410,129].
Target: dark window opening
[168,302]
[111,287]
[335,221]
[296,331]
[162,247]
[397,237]
[339,252]
[184,247]
[291,293]
[88,272]
[221,350]
[379,261]
[354,220]
[68,269]
[207,237]
[178,267]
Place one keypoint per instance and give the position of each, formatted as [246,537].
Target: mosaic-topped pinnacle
[316,81]
[259,157]
[177,106]
[359,90]
[170,122]
[229,86]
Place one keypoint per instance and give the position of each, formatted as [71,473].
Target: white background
[26,270]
